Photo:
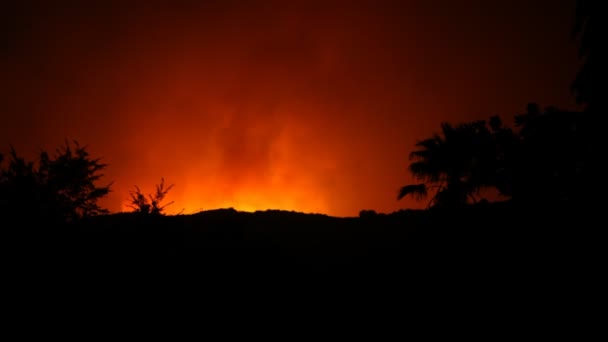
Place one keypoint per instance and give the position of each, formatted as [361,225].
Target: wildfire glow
[306,105]
[197,197]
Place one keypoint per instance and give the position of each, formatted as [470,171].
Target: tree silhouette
[548,159]
[61,187]
[590,28]
[456,164]
[150,204]
[589,88]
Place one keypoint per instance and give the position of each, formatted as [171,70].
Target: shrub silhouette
[60,187]
[367,213]
[150,204]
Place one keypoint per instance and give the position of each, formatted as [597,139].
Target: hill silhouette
[484,241]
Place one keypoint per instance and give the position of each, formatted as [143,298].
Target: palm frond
[416,190]
[426,171]
[426,146]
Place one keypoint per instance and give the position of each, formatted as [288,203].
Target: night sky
[310,106]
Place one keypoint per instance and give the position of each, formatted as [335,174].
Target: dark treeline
[544,164]
[538,163]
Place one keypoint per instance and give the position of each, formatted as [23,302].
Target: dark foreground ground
[491,255]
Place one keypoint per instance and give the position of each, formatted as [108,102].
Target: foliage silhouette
[552,156]
[589,88]
[590,28]
[540,162]
[367,213]
[150,204]
[60,188]
[456,164]
[548,159]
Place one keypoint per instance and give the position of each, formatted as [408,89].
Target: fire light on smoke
[309,105]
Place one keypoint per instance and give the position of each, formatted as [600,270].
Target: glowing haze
[310,106]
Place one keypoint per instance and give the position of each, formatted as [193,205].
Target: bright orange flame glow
[305,105]
[248,165]
[250,201]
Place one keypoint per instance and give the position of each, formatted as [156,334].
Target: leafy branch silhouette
[150,204]
[55,187]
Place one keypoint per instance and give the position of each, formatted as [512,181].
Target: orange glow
[246,200]
[309,105]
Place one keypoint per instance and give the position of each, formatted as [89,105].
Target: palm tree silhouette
[455,164]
